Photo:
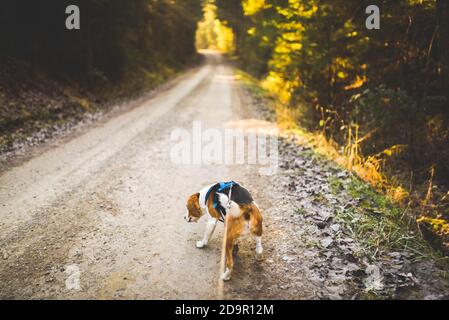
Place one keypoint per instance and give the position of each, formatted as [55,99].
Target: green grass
[336,185]
[378,224]
[301,211]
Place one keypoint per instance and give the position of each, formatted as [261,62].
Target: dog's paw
[226,276]
[200,244]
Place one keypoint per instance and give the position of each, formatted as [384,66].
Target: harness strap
[222,186]
[228,205]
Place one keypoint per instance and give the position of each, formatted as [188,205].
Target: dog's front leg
[210,227]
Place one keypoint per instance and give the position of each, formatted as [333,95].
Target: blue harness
[221,187]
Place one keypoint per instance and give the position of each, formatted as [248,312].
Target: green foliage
[377,223]
[382,94]
[390,114]
[392,84]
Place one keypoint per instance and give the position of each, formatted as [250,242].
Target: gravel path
[107,205]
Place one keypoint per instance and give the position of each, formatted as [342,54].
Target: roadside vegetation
[376,101]
[380,224]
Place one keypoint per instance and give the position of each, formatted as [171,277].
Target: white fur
[226,276]
[259,248]
[202,198]
[234,210]
[210,227]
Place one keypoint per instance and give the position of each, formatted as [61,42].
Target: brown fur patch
[246,211]
[210,206]
[193,206]
[236,225]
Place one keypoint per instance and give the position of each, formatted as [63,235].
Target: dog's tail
[234,210]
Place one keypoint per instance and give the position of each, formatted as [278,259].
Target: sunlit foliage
[381,95]
[251,7]
[213,33]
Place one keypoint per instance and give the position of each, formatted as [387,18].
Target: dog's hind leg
[256,228]
[229,258]
[259,248]
[230,237]
[210,227]
[236,248]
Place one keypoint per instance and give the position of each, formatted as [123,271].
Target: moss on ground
[378,224]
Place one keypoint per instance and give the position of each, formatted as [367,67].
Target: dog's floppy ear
[195,197]
[193,204]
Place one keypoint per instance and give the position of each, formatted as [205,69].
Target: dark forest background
[117,38]
[52,78]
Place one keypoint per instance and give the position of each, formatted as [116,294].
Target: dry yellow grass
[369,168]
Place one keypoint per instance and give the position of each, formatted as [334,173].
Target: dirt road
[110,203]
[106,208]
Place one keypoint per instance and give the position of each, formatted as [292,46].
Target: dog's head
[193,212]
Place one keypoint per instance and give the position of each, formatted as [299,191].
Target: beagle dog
[230,203]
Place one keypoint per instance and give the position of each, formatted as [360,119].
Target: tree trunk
[443,42]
